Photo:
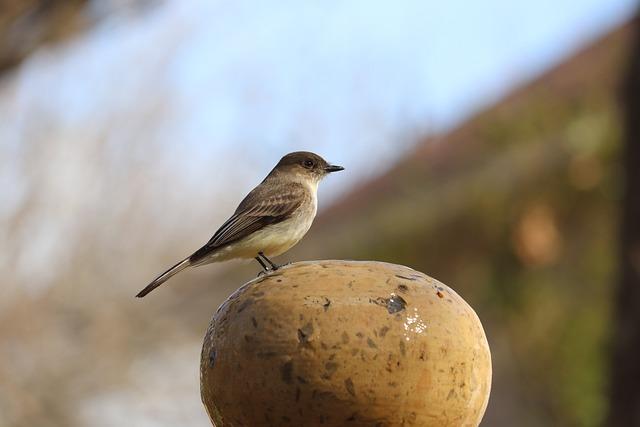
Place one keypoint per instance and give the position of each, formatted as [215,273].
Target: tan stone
[345,343]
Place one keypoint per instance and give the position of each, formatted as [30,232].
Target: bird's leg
[264,266]
[274,266]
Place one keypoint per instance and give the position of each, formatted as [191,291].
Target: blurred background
[487,144]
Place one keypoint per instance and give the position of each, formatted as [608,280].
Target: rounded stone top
[342,343]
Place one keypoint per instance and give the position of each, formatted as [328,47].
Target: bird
[269,221]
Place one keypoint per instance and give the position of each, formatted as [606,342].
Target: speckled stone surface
[345,343]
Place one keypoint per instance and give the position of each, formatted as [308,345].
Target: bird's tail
[165,276]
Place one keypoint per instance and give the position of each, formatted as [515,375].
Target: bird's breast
[279,238]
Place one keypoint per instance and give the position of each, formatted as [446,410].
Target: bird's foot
[273,265]
[266,272]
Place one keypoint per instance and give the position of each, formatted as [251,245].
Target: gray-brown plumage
[271,219]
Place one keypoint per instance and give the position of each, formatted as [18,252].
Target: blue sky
[412,63]
[339,77]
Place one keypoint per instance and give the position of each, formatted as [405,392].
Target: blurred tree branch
[625,369]
[27,24]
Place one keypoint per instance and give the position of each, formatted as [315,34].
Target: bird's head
[306,164]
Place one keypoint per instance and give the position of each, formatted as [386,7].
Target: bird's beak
[333,168]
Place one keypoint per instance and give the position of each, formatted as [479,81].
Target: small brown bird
[269,221]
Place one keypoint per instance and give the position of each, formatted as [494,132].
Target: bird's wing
[259,209]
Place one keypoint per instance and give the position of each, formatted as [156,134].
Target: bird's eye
[308,164]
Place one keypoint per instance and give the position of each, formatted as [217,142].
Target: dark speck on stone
[330,367]
[405,277]
[254,322]
[245,304]
[266,354]
[305,332]
[349,385]
[345,338]
[326,395]
[326,304]
[371,343]
[395,304]
[383,331]
[287,370]
[212,358]
[403,288]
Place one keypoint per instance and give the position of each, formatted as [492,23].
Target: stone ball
[345,343]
